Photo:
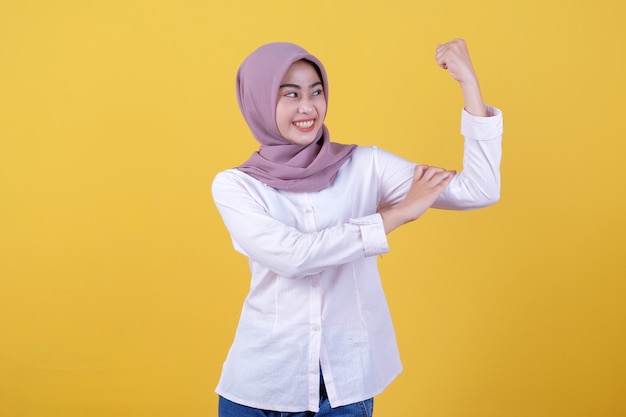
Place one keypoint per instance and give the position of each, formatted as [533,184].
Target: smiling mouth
[304,124]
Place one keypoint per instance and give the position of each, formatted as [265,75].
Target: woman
[315,334]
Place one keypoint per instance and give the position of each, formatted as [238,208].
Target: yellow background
[119,288]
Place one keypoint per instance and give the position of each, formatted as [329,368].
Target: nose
[305,105]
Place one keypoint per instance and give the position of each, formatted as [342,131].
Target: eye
[318,92]
[291,94]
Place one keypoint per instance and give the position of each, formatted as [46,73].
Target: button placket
[309,213]
[315,338]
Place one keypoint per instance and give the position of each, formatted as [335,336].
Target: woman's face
[301,104]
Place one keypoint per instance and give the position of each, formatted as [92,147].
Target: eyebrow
[315,84]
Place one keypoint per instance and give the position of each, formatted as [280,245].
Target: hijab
[279,163]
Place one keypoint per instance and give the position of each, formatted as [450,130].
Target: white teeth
[304,125]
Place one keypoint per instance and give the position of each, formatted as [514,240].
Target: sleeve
[478,184]
[283,249]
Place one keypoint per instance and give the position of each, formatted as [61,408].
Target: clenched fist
[454,57]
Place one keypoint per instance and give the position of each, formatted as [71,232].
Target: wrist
[391,219]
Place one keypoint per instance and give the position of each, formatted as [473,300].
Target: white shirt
[316,297]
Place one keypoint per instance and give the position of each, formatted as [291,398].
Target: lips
[305,125]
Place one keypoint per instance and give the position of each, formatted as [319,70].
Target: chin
[303,140]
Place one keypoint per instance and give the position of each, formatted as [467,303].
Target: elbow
[493,197]
[487,193]
[481,198]
[491,202]
[489,199]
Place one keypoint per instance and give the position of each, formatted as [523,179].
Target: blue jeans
[361,409]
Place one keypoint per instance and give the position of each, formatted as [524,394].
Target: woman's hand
[428,183]
[454,57]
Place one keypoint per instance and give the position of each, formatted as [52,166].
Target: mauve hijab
[278,162]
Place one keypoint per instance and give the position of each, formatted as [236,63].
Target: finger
[442,60]
[439,183]
[442,47]
[430,172]
[440,51]
[418,172]
[446,181]
[421,167]
[441,177]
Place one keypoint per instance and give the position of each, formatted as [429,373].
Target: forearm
[472,98]
[294,254]
[267,236]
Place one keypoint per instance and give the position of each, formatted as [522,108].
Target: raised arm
[478,185]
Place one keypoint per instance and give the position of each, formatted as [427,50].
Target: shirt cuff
[482,128]
[373,234]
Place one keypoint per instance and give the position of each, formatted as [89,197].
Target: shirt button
[316,328]
[308,210]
